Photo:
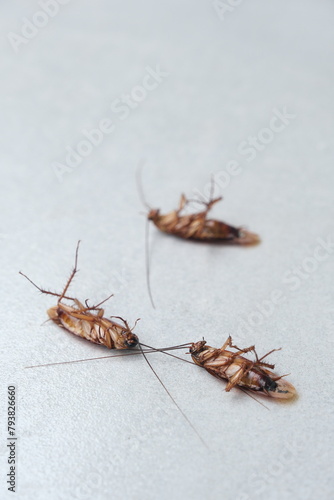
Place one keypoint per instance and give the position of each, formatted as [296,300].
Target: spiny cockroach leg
[45,291]
[270,352]
[93,308]
[73,273]
[236,378]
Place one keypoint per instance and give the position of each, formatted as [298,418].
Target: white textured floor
[242,90]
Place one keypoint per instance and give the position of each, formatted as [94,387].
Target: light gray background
[106,429]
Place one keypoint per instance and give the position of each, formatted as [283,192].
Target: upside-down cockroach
[87,321]
[255,376]
[196,226]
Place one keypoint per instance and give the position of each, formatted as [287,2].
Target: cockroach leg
[63,294]
[73,273]
[236,378]
[228,343]
[93,308]
[270,352]
[47,292]
[123,321]
[182,204]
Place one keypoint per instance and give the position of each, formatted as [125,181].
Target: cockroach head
[153,213]
[130,339]
[197,347]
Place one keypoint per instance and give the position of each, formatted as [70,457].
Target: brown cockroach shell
[93,327]
[240,371]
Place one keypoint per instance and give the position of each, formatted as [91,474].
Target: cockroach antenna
[132,353]
[147,230]
[147,261]
[140,185]
[171,397]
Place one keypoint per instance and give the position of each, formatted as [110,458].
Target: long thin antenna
[97,305]
[147,261]
[171,397]
[110,356]
[171,349]
[140,185]
[147,247]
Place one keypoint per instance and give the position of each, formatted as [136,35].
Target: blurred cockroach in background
[196,226]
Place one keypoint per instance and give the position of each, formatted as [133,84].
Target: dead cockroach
[87,321]
[255,376]
[195,227]
[198,226]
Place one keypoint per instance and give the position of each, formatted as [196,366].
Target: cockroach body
[255,376]
[194,227]
[198,227]
[88,322]
[93,327]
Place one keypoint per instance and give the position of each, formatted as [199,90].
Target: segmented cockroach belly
[93,328]
[254,379]
[214,230]
[240,371]
[197,227]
